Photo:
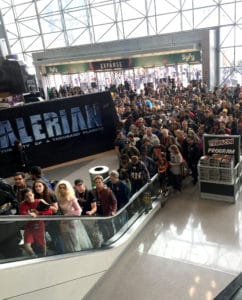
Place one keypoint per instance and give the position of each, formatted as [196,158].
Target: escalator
[73,264]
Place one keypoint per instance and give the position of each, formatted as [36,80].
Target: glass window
[138,6]
[16,46]
[25,10]
[73,4]
[168,23]
[238,35]
[152,25]
[227,36]
[32,43]
[238,10]
[120,30]
[187,20]
[99,21]
[186,4]
[131,11]
[29,27]
[238,57]
[230,76]
[150,7]
[12,31]
[227,57]
[206,17]
[106,15]
[4,4]
[8,16]
[105,33]
[16,2]
[76,19]
[135,28]
[226,1]
[54,40]
[204,3]
[164,7]
[51,24]
[79,36]
[48,7]
[227,13]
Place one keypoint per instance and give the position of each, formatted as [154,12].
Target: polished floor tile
[198,231]
[139,276]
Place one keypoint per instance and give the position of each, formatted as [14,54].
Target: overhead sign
[191,57]
[57,131]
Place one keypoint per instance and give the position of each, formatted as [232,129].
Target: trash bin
[98,170]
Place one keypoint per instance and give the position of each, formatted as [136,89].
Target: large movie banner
[222,144]
[57,131]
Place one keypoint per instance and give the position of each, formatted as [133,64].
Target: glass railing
[65,234]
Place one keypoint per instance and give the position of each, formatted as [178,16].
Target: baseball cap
[78,182]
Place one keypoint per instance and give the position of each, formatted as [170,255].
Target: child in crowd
[163,174]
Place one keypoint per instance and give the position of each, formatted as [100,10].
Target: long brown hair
[47,193]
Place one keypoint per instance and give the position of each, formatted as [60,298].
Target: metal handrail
[11,218]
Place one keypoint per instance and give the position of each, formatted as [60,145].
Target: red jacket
[25,207]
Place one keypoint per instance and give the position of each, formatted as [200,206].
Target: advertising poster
[56,131]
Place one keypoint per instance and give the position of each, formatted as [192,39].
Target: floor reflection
[197,231]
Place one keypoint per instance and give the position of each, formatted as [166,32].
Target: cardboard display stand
[219,168]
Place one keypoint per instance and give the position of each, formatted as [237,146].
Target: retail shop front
[182,67]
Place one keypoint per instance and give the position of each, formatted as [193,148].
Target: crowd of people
[159,131]
[37,196]
[164,127]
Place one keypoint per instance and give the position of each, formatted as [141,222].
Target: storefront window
[136,77]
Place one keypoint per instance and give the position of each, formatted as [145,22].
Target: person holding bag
[34,231]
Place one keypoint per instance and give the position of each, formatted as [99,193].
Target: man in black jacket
[138,174]
[193,157]
[85,198]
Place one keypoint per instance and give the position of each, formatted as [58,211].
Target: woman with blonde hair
[175,164]
[73,231]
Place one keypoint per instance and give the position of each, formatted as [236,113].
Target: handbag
[42,206]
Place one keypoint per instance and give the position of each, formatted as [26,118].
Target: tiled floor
[80,168]
[190,250]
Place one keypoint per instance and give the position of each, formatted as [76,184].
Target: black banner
[105,65]
[222,144]
[57,131]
